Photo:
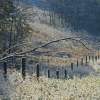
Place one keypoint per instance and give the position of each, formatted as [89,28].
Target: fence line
[65,72]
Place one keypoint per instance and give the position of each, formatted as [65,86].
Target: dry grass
[51,89]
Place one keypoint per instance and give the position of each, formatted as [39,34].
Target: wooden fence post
[57,74]
[5,69]
[89,58]
[81,61]
[37,71]
[96,58]
[23,68]
[98,54]
[65,73]
[72,66]
[77,63]
[48,73]
[86,59]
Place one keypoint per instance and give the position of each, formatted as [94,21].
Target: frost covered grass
[15,88]
[87,88]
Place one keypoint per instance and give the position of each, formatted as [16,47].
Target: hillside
[50,50]
[44,30]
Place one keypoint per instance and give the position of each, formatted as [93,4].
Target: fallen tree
[21,54]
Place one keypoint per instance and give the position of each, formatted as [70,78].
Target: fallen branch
[44,45]
[21,54]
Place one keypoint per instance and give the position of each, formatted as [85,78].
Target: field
[15,88]
[50,89]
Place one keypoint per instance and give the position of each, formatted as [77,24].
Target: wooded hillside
[13,27]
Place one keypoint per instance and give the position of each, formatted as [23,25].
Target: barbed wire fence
[50,72]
